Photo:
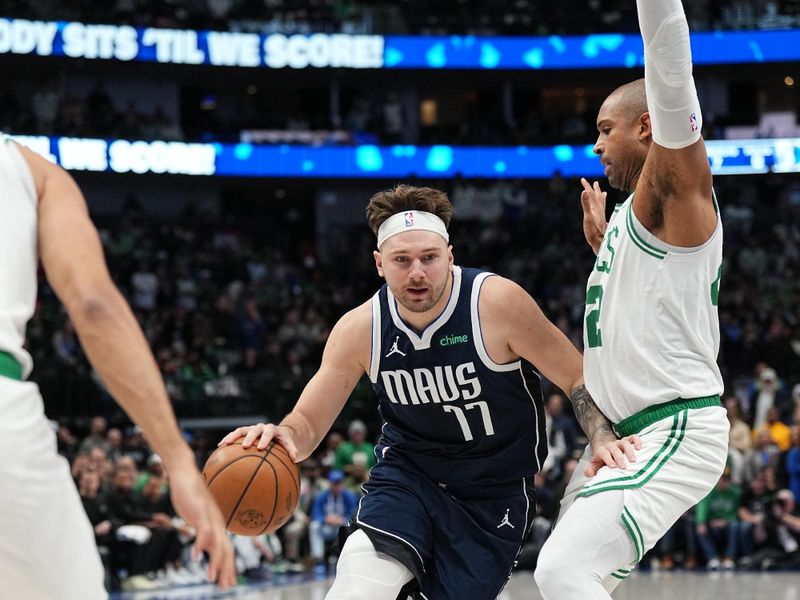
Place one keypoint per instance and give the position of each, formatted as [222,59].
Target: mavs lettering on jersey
[440,384]
[448,408]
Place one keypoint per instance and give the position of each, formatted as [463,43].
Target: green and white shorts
[682,457]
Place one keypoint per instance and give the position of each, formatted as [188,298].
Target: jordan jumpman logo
[505,521]
[395,349]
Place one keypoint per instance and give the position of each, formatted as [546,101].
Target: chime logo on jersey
[409,219]
[437,385]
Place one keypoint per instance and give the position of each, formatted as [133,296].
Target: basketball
[256,490]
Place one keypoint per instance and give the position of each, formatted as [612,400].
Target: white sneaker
[189,577]
[713,564]
[198,571]
[728,564]
[137,583]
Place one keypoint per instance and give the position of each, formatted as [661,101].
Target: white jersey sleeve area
[18,247]
[651,329]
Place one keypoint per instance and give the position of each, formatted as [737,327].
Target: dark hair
[407,197]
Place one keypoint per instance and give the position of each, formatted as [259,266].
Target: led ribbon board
[320,50]
[729,157]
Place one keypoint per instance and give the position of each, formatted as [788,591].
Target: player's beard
[433,296]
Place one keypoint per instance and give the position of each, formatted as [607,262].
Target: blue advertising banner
[320,50]
[727,157]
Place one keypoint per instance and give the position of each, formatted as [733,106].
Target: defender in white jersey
[651,329]
[47,548]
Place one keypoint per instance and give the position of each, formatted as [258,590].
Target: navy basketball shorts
[458,545]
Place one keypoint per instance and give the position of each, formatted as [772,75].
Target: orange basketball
[256,490]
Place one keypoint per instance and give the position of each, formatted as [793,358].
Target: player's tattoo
[593,422]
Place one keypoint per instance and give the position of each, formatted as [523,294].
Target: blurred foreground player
[651,333]
[450,353]
[47,547]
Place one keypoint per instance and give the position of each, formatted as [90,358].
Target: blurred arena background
[227,149]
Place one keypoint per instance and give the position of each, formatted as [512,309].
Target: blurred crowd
[145,545]
[495,17]
[238,309]
[365,114]
[52,111]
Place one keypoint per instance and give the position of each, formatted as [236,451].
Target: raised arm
[344,361]
[676,178]
[515,326]
[73,261]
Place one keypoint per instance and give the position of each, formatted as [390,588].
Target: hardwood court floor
[640,586]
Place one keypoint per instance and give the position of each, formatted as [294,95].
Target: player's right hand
[264,433]
[593,201]
[194,504]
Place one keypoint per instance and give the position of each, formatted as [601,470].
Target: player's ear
[450,254]
[645,128]
[378,262]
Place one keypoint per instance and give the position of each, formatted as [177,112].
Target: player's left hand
[613,454]
[593,201]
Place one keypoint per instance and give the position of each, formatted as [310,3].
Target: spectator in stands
[252,327]
[787,524]
[667,548]
[766,394]
[80,463]
[741,438]
[356,452]
[168,535]
[311,485]
[717,523]
[125,509]
[66,345]
[96,437]
[791,460]
[764,454]
[740,441]
[332,509]
[357,477]
[153,469]
[556,442]
[778,431]
[255,552]
[97,510]
[114,439]
[753,519]
[135,447]
[96,507]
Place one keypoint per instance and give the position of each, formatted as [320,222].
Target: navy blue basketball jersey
[458,416]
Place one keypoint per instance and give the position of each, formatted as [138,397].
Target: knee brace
[364,574]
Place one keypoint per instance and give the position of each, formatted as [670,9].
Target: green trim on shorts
[10,367]
[646,473]
[635,423]
[621,577]
[629,524]
[621,574]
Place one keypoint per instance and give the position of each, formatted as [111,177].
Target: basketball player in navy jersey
[453,355]
[47,545]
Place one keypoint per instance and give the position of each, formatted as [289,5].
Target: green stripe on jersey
[639,240]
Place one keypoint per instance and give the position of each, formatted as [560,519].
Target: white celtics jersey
[18,251]
[651,330]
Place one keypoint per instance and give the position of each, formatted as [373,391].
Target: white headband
[409,221]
